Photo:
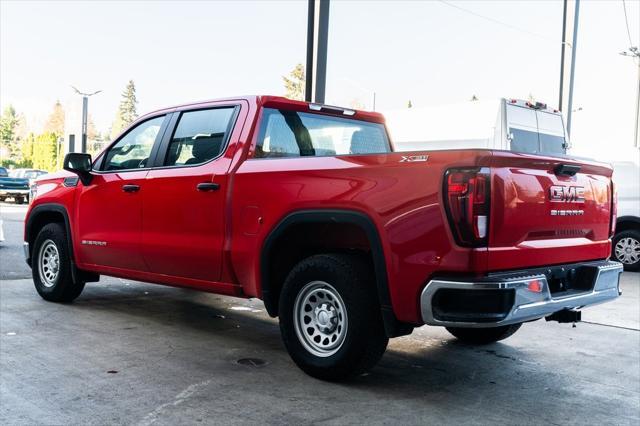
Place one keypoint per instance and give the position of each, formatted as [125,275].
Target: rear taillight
[467,194]
[614,210]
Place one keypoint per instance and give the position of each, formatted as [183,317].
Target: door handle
[131,188]
[208,186]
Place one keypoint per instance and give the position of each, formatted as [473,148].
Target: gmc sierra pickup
[349,243]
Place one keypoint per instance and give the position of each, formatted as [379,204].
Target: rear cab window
[285,133]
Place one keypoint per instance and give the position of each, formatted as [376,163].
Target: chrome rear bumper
[525,304]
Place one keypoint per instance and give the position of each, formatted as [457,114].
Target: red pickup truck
[349,243]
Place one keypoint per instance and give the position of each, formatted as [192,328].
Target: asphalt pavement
[12,264]
[135,353]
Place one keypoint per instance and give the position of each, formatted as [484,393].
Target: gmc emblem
[566,194]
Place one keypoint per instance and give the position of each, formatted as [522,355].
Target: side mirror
[79,164]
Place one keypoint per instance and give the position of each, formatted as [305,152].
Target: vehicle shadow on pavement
[162,342]
[430,360]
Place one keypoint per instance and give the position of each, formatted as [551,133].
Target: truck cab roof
[281,102]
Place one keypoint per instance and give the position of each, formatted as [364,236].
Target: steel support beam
[568,58]
[563,53]
[85,117]
[317,41]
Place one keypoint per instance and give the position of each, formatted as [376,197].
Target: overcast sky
[428,52]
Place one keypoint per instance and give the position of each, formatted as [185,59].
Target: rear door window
[524,140]
[299,134]
[535,132]
[551,130]
[523,129]
[199,137]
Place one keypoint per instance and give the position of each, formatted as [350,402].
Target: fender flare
[38,211]
[392,326]
[29,237]
[631,219]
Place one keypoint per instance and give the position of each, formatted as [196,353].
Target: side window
[299,134]
[199,136]
[134,149]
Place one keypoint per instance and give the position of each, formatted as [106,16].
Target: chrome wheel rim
[628,250]
[320,318]
[49,263]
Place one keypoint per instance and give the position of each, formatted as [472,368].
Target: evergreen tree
[127,110]
[357,104]
[128,104]
[116,127]
[409,104]
[294,84]
[55,122]
[474,98]
[26,147]
[44,151]
[8,143]
[22,129]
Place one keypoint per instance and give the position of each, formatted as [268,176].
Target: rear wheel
[626,249]
[51,266]
[330,317]
[483,336]
[19,200]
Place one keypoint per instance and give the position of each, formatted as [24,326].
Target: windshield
[33,174]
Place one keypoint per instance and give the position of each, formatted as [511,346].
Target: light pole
[85,113]
[58,143]
[574,47]
[634,53]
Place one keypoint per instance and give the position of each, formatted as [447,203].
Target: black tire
[363,339]
[2,199]
[623,242]
[58,287]
[19,200]
[483,336]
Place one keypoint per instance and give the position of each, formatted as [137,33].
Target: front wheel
[51,266]
[626,249]
[483,336]
[19,200]
[330,317]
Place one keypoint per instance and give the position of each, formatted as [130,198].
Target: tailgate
[547,210]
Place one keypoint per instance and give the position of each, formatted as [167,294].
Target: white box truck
[507,124]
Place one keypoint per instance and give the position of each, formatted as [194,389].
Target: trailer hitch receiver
[565,316]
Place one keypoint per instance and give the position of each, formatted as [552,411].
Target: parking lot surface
[134,353]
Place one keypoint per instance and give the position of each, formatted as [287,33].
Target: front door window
[134,149]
